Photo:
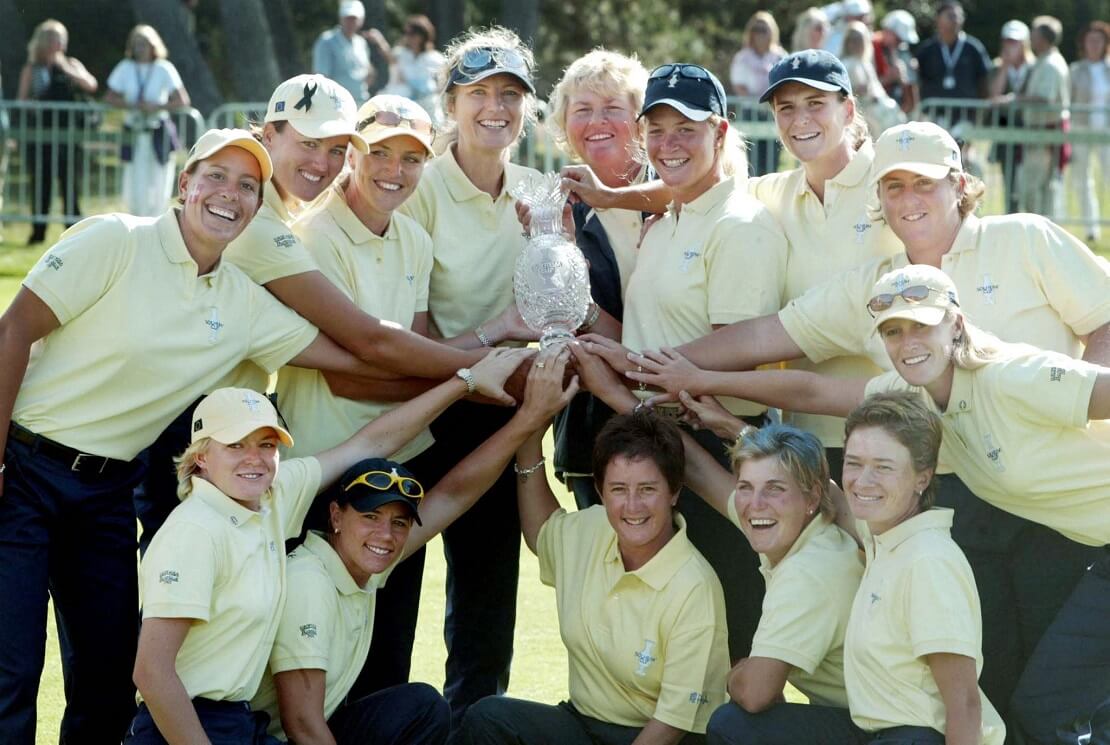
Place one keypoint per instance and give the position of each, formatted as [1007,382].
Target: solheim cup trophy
[552,280]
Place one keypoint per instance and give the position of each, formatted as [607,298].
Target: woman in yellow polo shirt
[131,319]
[640,610]
[334,581]
[464,204]
[219,559]
[715,257]
[1024,434]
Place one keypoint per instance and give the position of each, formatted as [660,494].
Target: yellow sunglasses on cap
[383,481]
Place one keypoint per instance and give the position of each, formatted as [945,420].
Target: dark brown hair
[638,436]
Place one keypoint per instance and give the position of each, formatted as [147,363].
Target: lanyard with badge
[951,57]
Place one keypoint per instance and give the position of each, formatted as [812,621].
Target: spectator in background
[343,55]
[810,29]
[748,75]
[145,83]
[415,65]
[841,14]
[878,109]
[899,33]
[1090,87]
[1007,78]
[1047,88]
[952,64]
[51,75]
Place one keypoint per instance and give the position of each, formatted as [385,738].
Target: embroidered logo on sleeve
[645,657]
[53,262]
[168,577]
[1056,374]
[308,631]
[285,240]
[698,698]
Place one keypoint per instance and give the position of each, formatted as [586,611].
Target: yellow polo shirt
[721,259]
[648,644]
[142,336]
[476,240]
[386,276]
[806,607]
[223,565]
[266,250]
[1016,432]
[326,625]
[1021,277]
[917,597]
[826,238]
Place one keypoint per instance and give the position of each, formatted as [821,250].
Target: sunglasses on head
[393,119]
[913,295]
[692,72]
[383,481]
[480,59]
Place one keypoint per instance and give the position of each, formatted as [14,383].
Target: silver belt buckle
[76,467]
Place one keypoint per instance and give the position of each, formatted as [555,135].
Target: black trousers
[1024,572]
[224,722]
[482,549]
[502,720]
[47,164]
[410,714]
[806,724]
[71,537]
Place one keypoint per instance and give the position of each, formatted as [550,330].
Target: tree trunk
[448,17]
[173,23]
[250,49]
[289,58]
[522,16]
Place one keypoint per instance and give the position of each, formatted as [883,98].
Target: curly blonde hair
[497,37]
[603,72]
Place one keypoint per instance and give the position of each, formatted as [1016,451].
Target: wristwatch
[468,378]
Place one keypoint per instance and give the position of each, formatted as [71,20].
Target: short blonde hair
[148,34]
[603,72]
[477,38]
[187,466]
[38,38]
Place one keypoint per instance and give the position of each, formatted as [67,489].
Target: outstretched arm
[796,390]
[743,345]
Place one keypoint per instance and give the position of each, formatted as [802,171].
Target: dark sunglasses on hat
[481,62]
[689,88]
[913,295]
[393,119]
[383,481]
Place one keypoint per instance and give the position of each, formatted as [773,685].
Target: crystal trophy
[552,279]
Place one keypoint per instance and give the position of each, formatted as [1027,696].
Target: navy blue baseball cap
[482,62]
[690,89]
[372,482]
[813,67]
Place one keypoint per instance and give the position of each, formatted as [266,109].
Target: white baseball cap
[902,24]
[227,415]
[1015,30]
[349,8]
[918,292]
[215,140]
[386,115]
[918,147]
[316,106]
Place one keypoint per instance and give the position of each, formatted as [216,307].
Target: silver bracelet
[481,334]
[468,378]
[524,473]
[591,317]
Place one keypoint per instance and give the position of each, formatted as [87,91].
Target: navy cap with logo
[813,67]
[690,89]
[370,483]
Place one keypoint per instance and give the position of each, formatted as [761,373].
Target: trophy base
[555,337]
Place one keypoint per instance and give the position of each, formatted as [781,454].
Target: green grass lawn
[540,668]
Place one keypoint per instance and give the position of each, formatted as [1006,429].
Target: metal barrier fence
[71,152]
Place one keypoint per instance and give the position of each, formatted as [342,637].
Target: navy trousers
[225,723]
[155,496]
[71,538]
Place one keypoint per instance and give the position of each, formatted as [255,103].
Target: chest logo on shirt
[987,289]
[285,240]
[168,577]
[861,229]
[645,657]
[875,598]
[214,324]
[1056,374]
[687,258]
[994,454]
[409,278]
[308,631]
[53,262]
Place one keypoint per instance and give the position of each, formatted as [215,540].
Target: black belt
[85,464]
